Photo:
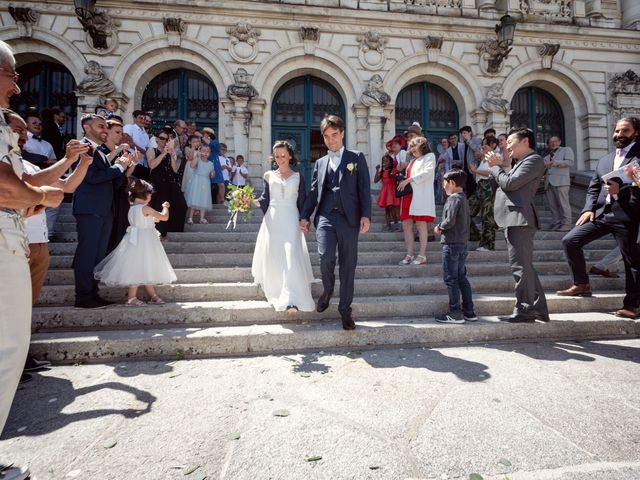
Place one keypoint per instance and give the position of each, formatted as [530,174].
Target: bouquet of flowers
[239,202]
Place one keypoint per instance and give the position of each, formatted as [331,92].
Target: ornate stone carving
[311,34]
[174,27]
[551,10]
[493,102]
[374,95]
[242,87]
[25,19]
[547,51]
[433,44]
[493,54]
[101,29]
[243,42]
[95,82]
[624,91]
[372,50]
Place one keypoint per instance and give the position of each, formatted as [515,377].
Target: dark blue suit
[93,209]
[339,199]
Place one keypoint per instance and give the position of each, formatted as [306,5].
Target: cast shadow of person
[38,406]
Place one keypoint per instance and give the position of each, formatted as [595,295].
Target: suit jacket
[470,158]
[597,196]
[513,205]
[559,175]
[94,196]
[265,198]
[51,133]
[355,188]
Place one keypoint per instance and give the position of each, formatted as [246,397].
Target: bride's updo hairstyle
[289,147]
[138,189]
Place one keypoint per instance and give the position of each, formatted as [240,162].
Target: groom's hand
[365,223]
[304,226]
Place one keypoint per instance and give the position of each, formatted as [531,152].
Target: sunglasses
[163,138]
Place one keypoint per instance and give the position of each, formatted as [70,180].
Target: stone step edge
[180,343]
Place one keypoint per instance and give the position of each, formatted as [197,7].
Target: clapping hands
[493,159]
[633,172]
[76,149]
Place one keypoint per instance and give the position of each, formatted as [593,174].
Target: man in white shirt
[37,150]
[139,135]
[239,172]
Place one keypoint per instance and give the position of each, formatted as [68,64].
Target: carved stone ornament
[174,27]
[624,93]
[310,34]
[95,82]
[550,10]
[547,51]
[101,30]
[243,42]
[493,102]
[494,56]
[25,19]
[242,87]
[433,44]
[374,95]
[371,53]
[433,6]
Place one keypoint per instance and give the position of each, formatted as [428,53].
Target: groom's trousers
[335,235]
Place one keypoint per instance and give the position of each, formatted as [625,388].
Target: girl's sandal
[135,302]
[156,300]
[406,260]
[203,221]
[419,260]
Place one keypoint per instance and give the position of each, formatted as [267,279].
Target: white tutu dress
[139,259]
[281,264]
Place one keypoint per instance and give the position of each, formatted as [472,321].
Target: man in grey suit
[558,162]
[515,213]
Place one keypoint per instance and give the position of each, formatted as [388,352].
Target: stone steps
[364,287]
[189,342]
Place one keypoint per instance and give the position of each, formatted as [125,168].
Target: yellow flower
[351,167]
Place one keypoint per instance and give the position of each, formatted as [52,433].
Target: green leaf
[475,476]
[190,470]
[281,413]
[234,436]
[505,462]
[110,444]
[314,458]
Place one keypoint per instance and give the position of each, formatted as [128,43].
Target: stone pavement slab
[557,411]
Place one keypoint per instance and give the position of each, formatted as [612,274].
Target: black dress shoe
[90,304]
[348,323]
[543,317]
[518,318]
[323,301]
[101,300]
[32,365]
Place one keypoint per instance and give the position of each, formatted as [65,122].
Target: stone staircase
[214,309]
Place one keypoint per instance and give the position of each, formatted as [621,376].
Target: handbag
[407,190]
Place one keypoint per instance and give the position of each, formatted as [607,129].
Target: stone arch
[447,73]
[148,59]
[292,62]
[569,88]
[46,45]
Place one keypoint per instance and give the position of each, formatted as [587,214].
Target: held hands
[256,202]
[304,226]
[586,217]
[365,224]
[437,230]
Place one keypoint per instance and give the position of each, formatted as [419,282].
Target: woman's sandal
[291,309]
[135,302]
[419,260]
[203,221]
[406,260]
[156,300]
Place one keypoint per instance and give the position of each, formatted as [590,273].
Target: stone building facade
[273,68]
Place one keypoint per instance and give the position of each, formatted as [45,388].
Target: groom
[341,199]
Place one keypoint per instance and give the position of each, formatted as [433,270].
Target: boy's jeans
[454,273]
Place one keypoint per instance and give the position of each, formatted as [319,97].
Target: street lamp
[495,51]
[84,8]
[505,31]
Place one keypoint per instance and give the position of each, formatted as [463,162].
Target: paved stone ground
[564,411]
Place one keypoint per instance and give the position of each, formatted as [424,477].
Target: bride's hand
[256,202]
[304,226]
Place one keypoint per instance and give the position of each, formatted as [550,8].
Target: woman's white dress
[139,259]
[281,264]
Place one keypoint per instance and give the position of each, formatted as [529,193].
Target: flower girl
[139,259]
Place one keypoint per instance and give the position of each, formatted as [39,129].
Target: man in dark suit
[93,209]
[53,129]
[611,208]
[340,196]
[514,212]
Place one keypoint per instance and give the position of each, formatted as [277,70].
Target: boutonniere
[352,167]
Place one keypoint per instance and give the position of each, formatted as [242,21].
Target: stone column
[255,157]
[375,123]
[630,10]
[86,104]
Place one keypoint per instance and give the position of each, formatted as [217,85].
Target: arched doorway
[536,109]
[298,108]
[44,85]
[431,106]
[181,94]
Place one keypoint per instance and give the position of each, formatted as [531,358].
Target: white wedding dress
[281,264]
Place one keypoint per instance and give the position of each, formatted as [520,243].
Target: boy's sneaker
[470,316]
[450,317]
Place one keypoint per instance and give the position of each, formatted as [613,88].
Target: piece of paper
[619,173]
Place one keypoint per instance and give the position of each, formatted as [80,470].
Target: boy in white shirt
[239,173]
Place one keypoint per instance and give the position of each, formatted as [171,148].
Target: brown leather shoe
[605,273]
[581,290]
[631,313]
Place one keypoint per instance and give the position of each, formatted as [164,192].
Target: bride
[281,264]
